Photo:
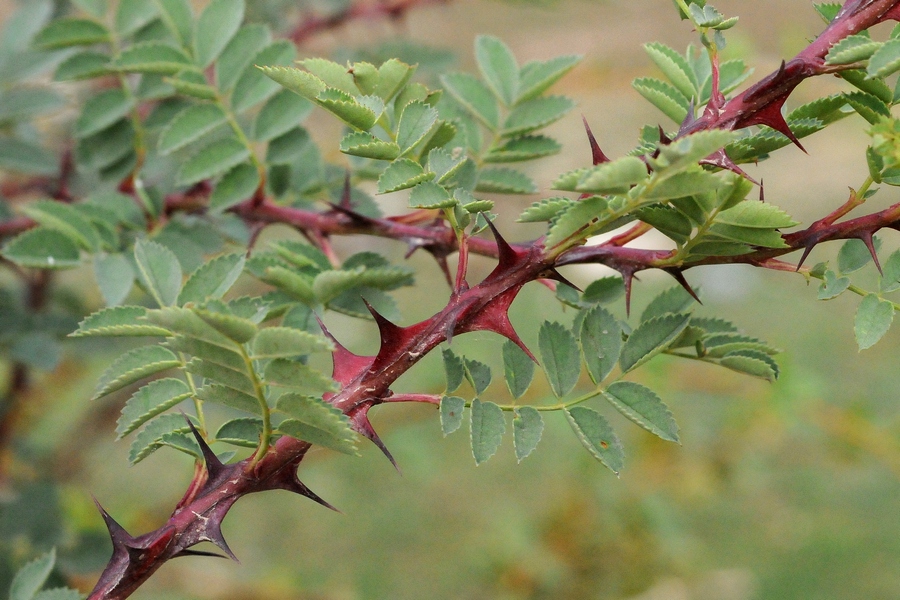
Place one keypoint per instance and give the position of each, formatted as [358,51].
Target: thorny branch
[365,381]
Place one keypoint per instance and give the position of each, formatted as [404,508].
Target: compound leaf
[595,434]
[644,407]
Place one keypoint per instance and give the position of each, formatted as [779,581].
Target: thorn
[805,255]
[120,537]
[507,254]
[866,237]
[214,467]
[495,317]
[597,155]
[762,190]
[663,138]
[393,337]
[771,116]
[720,159]
[213,533]
[627,279]
[555,275]
[689,117]
[346,193]
[362,425]
[678,276]
[346,366]
[189,552]
[286,479]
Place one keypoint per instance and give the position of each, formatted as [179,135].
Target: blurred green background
[787,490]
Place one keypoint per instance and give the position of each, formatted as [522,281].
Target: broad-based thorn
[597,155]
[346,366]
[287,480]
[214,467]
[678,276]
[555,275]
[689,117]
[495,317]
[507,255]
[771,116]
[762,190]
[392,336]
[120,537]
[360,419]
[867,239]
[721,159]
[213,533]
[664,139]
[627,279]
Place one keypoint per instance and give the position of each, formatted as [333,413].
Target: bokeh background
[787,490]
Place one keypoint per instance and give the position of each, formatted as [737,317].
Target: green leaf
[574,220]
[560,357]
[430,195]
[290,374]
[393,75]
[767,238]
[416,120]
[187,323]
[299,286]
[95,8]
[115,277]
[283,111]
[686,151]
[676,299]
[668,221]
[67,32]
[19,104]
[67,220]
[25,157]
[102,111]
[190,125]
[286,342]
[528,427]
[651,338]
[608,178]
[223,374]
[474,97]
[402,174]
[528,147]
[498,67]
[228,396]
[454,369]
[238,54]
[315,421]
[296,80]
[686,183]
[159,270]
[107,149]
[452,408]
[601,342]
[518,368]
[885,60]
[253,86]
[332,74]
[535,114]
[487,428]
[675,67]
[58,594]
[753,213]
[233,327]
[536,76]
[134,366]
[151,57]
[890,281]
[827,10]
[663,96]
[833,286]
[178,18]
[751,363]
[215,27]
[595,434]
[149,401]
[235,186]
[854,255]
[212,160]
[289,147]
[30,578]
[117,321]
[478,375]
[149,440]
[244,432]
[212,279]
[545,210]
[42,248]
[604,290]
[499,180]
[131,15]
[851,49]
[366,145]
[871,108]
[873,319]
[644,407]
[84,65]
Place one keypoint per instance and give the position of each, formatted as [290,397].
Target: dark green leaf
[752,213]
[149,401]
[518,368]
[676,299]
[244,432]
[66,32]
[752,363]
[644,407]
[101,111]
[601,342]
[287,373]
[528,426]
[767,238]
[487,427]
[134,366]
[190,125]
[159,270]
[560,357]
[478,375]
[604,290]
[873,319]
[284,111]
[83,65]
[402,174]
[871,108]
[454,369]
[212,160]
[575,219]
[235,186]
[597,436]
[215,27]
[65,219]
[651,338]
[228,396]
[25,157]
[452,408]
[42,248]
[149,439]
